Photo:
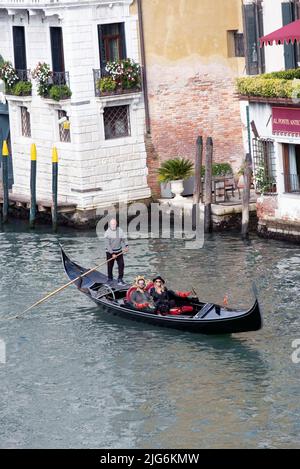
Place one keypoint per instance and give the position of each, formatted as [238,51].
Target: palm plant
[175,170]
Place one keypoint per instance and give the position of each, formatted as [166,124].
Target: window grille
[25,122]
[116,122]
[64,127]
[264,166]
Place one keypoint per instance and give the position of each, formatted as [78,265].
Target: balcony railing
[292,183]
[102,73]
[23,75]
[60,78]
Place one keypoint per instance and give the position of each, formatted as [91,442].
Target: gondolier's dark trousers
[110,265]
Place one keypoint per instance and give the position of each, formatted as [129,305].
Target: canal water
[75,377]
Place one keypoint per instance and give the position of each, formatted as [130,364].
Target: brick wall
[180,110]
[266,207]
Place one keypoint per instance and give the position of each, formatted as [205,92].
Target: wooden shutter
[57,49]
[286,167]
[260,30]
[101,47]
[251,39]
[289,49]
[123,40]
[19,47]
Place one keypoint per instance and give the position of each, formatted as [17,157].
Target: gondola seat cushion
[129,294]
[180,310]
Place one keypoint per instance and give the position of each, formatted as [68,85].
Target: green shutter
[251,39]
[289,49]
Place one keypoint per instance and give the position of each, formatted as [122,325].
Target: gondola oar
[58,290]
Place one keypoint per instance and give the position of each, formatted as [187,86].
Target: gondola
[205,318]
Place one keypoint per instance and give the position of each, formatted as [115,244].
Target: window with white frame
[116,122]
[25,122]
[64,126]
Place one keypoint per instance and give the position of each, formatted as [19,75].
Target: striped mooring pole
[32,215]
[5,156]
[54,187]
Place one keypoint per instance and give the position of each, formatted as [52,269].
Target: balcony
[118,78]
[17,82]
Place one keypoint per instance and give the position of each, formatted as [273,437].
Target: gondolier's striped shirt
[115,240]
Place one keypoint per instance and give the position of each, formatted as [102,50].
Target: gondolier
[115,243]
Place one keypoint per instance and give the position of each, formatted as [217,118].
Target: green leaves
[175,169]
[283,84]
[22,88]
[58,92]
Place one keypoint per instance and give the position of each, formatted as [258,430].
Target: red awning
[288,34]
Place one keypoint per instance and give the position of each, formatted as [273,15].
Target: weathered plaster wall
[191,76]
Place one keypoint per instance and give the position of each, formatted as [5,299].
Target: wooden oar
[61,288]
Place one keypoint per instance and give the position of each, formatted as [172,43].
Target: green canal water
[76,377]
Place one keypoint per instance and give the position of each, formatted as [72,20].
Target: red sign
[286,121]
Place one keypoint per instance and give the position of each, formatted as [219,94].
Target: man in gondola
[115,243]
[140,298]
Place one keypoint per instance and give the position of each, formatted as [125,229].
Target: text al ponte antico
[286,121]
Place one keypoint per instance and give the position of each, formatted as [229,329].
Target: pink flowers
[8,74]
[126,73]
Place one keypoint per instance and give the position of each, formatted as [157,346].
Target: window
[111,42]
[19,50]
[116,122]
[235,41]
[57,52]
[253,30]
[64,127]
[264,166]
[291,167]
[25,122]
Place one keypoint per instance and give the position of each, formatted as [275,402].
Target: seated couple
[155,297]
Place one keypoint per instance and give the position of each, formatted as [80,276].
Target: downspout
[143,60]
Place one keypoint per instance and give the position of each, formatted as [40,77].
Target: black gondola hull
[239,321]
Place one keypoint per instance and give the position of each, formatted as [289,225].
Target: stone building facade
[99,136]
[194,52]
[275,132]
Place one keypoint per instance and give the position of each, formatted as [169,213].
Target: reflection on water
[77,377]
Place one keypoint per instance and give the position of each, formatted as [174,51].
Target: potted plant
[107,85]
[9,75]
[175,171]
[43,75]
[126,73]
[58,92]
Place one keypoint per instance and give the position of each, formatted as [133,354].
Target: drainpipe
[144,72]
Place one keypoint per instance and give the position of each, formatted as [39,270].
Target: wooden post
[5,156]
[32,215]
[198,166]
[246,196]
[54,187]
[208,185]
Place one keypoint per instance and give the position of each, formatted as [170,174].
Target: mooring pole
[198,166]
[5,156]
[208,185]
[54,187]
[246,196]
[32,215]
[198,181]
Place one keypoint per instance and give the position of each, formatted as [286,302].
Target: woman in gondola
[163,298]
